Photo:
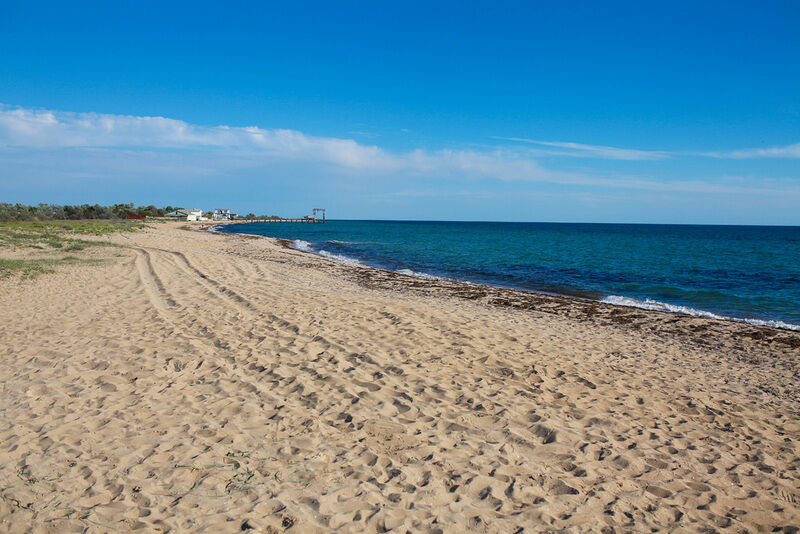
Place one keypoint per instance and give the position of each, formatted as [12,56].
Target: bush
[54,212]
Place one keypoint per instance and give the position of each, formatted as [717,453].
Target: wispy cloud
[788,151]
[579,150]
[594,151]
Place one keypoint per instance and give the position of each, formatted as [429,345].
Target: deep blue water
[742,272]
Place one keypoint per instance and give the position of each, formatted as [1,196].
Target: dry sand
[205,382]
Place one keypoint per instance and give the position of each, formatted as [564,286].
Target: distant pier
[311,219]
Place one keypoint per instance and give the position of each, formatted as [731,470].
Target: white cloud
[594,151]
[44,129]
[176,148]
[51,129]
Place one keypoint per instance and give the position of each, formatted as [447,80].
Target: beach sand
[219,383]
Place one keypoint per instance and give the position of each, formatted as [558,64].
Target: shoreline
[197,382]
[530,299]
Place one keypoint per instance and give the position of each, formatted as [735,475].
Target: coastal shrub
[52,212]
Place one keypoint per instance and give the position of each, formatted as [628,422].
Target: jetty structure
[317,217]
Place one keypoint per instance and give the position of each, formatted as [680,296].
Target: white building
[195,215]
[222,215]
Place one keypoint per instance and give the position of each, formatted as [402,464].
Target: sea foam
[301,245]
[305,246]
[339,257]
[649,304]
[426,276]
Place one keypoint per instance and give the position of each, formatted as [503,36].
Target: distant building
[223,215]
[177,214]
[195,215]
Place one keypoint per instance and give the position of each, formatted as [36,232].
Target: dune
[220,383]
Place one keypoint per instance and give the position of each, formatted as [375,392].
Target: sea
[742,273]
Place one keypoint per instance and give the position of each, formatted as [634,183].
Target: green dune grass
[55,237]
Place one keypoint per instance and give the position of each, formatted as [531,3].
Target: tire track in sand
[153,286]
[219,290]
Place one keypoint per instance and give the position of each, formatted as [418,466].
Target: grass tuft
[54,237]
[32,268]
[58,234]
[25,268]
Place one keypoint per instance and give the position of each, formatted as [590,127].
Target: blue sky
[663,112]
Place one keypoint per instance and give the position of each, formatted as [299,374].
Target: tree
[122,210]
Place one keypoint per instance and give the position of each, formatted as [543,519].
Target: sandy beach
[201,382]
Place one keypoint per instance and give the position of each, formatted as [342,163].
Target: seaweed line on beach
[699,330]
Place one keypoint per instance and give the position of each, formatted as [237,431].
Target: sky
[637,112]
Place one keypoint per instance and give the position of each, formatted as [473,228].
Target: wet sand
[208,382]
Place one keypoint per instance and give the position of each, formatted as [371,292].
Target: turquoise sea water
[741,272]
